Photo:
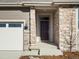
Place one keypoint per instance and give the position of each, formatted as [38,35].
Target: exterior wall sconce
[25,27]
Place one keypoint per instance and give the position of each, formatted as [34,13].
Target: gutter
[38,4]
[29,4]
[66,3]
[10,5]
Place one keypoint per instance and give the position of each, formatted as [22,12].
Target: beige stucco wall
[13,14]
[65,17]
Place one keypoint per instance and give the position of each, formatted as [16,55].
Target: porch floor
[46,48]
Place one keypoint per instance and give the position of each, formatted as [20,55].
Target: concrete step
[31,52]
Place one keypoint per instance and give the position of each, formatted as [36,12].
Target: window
[14,25]
[2,25]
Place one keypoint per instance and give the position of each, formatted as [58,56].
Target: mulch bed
[66,55]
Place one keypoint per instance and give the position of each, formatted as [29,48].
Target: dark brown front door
[44,29]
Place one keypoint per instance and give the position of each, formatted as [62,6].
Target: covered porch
[45,30]
[47,25]
[51,22]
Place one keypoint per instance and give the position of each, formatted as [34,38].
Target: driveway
[45,49]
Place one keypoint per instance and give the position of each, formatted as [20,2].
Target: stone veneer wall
[56,27]
[30,33]
[26,34]
[33,26]
[65,17]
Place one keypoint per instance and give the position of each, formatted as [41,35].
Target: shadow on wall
[23,9]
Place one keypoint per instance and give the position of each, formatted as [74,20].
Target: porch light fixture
[25,27]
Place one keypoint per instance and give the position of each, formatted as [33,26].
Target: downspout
[29,31]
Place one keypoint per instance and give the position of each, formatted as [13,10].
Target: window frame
[14,25]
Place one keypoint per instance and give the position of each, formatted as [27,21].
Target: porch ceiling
[46,7]
[45,11]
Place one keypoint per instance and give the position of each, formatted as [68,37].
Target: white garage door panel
[11,38]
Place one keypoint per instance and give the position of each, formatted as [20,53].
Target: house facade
[24,23]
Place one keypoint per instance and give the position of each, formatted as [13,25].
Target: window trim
[13,20]
[77,29]
[77,10]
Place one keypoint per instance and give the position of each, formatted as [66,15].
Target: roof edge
[27,4]
[66,2]
[34,4]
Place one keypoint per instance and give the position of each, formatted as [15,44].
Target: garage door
[11,36]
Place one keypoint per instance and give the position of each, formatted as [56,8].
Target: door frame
[50,25]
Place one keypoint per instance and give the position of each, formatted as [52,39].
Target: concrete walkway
[45,49]
[49,49]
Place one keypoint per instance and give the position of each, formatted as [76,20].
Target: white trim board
[12,20]
[77,30]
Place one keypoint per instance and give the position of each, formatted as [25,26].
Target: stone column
[33,26]
[66,17]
